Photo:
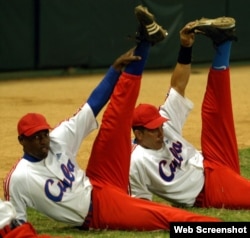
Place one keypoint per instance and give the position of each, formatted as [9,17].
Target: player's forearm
[180,77]
[103,91]
[181,74]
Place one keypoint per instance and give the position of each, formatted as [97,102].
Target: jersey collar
[30,158]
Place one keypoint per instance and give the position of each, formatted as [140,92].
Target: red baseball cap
[32,123]
[148,116]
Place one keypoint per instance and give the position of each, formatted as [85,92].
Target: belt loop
[199,202]
[86,223]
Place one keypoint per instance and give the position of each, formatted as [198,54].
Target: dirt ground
[59,97]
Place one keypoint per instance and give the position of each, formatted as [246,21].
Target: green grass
[45,225]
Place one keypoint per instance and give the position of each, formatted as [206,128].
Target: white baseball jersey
[175,172]
[56,186]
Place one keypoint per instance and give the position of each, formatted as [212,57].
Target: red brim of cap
[156,123]
[35,129]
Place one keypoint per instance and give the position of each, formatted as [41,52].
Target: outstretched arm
[181,74]
[103,91]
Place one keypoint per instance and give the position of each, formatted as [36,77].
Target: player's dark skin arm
[125,59]
[37,145]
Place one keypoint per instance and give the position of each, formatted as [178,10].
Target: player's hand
[125,59]
[186,37]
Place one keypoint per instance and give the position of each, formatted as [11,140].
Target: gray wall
[52,34]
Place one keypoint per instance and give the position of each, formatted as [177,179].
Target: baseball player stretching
[165,163]
[48,177]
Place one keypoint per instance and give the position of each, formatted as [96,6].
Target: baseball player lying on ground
[166,164]
[48,177]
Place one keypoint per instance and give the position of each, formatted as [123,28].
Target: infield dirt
[59,97]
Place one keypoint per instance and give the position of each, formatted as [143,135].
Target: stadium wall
[52,34]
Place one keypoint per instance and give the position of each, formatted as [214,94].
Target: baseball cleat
[220,29]
[148,28]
